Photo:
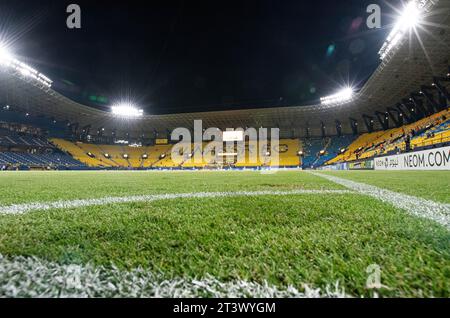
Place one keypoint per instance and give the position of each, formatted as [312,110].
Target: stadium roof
[403,71]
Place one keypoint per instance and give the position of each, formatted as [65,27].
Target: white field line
[41,206]
[33,277]
[439,212]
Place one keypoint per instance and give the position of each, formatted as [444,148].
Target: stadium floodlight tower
[343,96]
[127,110]
[8,62]
[409,19]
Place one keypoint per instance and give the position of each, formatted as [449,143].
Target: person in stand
[408,143]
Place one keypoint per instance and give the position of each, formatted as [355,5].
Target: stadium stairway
[78,153]
[10,138]
[329,146]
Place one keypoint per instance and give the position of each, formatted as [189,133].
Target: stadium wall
[431,159]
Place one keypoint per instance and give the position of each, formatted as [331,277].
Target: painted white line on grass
[33,277]
[439,212]
[39,206]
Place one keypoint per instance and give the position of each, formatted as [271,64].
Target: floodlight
[409,19]
[340,97]
[5,55]
[127,110]
[410,16]
[7,60]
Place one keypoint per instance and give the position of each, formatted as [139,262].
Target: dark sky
[178,56]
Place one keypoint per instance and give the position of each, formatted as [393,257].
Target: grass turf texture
[295,239]
[431,185]
[23,187]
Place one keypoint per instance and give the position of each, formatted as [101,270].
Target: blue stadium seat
[41,160]
[331,145]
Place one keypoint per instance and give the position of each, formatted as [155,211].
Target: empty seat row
[28,159]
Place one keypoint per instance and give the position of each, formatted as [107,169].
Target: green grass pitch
[288,240]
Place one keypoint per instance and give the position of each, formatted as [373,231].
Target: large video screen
[233,136]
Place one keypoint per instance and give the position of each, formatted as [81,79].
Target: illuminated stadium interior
[410,84]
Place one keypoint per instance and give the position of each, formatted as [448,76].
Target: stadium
[347,196]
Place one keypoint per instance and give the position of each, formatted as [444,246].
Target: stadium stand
[78,153]
[15,117]
[318,151]
[38,160]
[313,146]
[399,85]
[289,152]
[430,131]
[118,156]
[10,138]
[22,150]
[159,156]
[439,134]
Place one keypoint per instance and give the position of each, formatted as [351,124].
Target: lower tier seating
[429,131]
[39,160]
[159,156]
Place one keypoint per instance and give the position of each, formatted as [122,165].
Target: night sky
[180,56]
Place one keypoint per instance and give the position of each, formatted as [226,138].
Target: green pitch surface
[433,185]
[313,238]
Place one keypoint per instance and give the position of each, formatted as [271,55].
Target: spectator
[408,143]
